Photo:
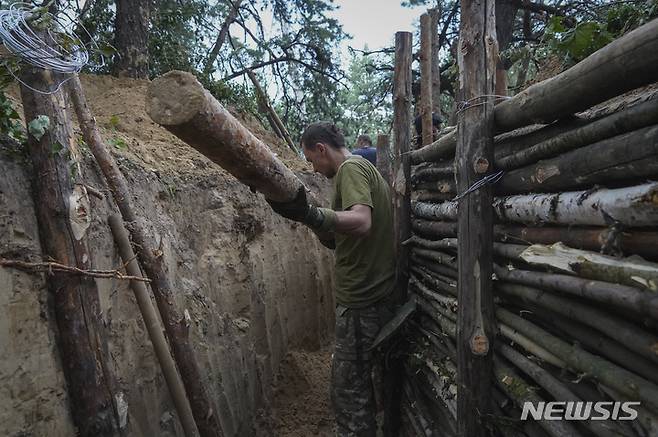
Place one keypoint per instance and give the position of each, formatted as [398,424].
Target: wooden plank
[474,157]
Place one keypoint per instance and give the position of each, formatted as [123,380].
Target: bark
[631,271]
[517,389]
[434,229]
[131,38]
[272,115]
[619,296]
[632,206]
[555,388]
[221,36]
[447,325]
[155,268]
[600,344]
[584,362]
[446,243]
[442,148]
[435,13]
[430,196]
[154,329]
[473,158]
[605,240]
[435,211]
[436,256]
[434,173]
[433,266]
[636,117]
[449,303]
[63,214]
[402,119]
[438,282]
[626,333]
[627,157]
[426,78]
[626,63]
[530,346]
[400,176]
[179,102]
[384,157]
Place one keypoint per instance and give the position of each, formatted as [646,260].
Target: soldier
[361,221]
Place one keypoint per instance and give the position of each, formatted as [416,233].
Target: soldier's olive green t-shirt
[365,266]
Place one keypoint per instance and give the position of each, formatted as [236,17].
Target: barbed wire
[21,41]
[489,179]
[467,104]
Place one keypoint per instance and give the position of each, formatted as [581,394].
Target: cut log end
[174,98]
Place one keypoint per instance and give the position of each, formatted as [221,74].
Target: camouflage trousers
[352,389]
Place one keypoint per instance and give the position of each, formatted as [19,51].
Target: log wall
[574,255]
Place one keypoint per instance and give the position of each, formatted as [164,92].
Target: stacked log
[576,252]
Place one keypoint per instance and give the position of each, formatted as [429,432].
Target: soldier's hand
[297,209]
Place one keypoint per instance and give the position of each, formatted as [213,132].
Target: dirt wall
[254,285]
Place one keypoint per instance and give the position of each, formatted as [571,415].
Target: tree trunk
[426,78]
[156,334]
[628,157]
[626,63]
[384,157]
[221,36]
[131,38]
[636,339]
[444,186]
[435,13]
[473,160]
[628,120]
[435,211]
[442,284]
[205,414]
[434,267]
[617,295]
[430,196]
[434,229]
[434,173]
[631,206]
[581,361]
[63,213]
[444,147]
[179,102]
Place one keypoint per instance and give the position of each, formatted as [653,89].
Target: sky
[374,22]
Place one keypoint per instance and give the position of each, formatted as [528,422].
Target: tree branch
[221,37]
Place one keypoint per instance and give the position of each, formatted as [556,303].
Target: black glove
[299,210]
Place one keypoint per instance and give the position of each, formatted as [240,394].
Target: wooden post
[426,77]
[63,212]
[475,335]
[154,328]
[401,184]
[205,415]
[435,13]
[384,157]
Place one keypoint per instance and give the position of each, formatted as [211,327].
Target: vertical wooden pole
[435,13]
[176,327]
[384,157]
[400,182]
[475,325]
[426,77]
[64,215]
[402,121]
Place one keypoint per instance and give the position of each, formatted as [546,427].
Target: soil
[241,273]
[302,405]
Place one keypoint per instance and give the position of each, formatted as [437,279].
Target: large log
[154,329]
[629,271]
[444,147]
[433,266]
[584,362]
[632,206]
[434,172]
[477,59]
[440,283]
[384,157]
[628,157]
[530,346]
[435,211]
[178,101]
[205,414]
[435,14]
[430,196]
[617,295]
[628,334]
[64,215]
[434,229]
[633,118]
[605,240]
[441,258]
[626,63]
[444,185]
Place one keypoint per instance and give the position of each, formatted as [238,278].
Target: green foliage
[38,127]
[113,122]
[578,42]
[118,143]
[9,119]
